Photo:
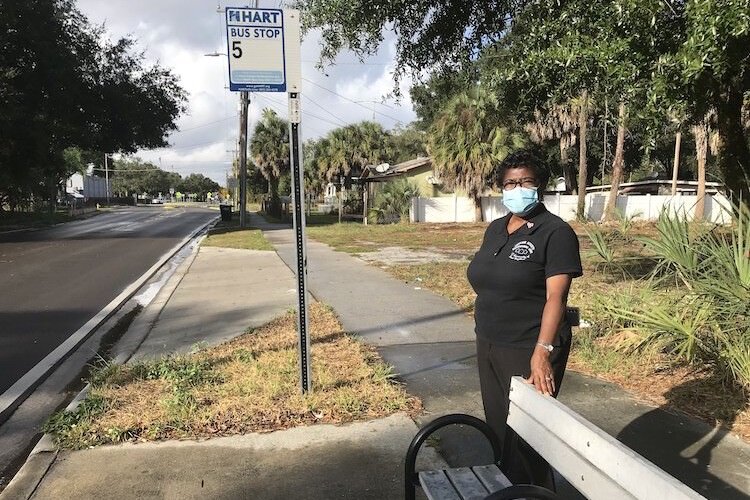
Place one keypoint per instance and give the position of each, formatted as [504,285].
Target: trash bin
[226,212]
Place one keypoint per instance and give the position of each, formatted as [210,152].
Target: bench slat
[437,486]
[593,461]
[468,485]
[492,477]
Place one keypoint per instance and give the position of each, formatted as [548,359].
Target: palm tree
[559,123]
[468,138]
[269,147]
[706,139]
[347,150]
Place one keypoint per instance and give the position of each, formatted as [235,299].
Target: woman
[522,274]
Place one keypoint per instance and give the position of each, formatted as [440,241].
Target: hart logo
[522,250]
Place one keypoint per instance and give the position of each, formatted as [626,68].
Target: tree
[269,147]
[199,185]
[710,70]
[606,49]
[61,83]
[431,96]
[439,35]
[468,139]
[559,123]
[346,151]
[131,175]
[406,144]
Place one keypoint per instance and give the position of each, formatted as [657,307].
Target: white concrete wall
[442,209]
[639,207]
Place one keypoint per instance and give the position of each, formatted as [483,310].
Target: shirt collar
[536,218]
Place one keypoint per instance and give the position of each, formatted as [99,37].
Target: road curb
[17,393]
[32,472]
[40,460]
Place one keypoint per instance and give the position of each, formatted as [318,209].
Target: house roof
[371,175]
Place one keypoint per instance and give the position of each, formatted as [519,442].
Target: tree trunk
[618,165]
[568,171]
[478,216]
[700,133]
[583,120]
[676,166]
[734,154]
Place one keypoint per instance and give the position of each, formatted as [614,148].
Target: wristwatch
[547,347]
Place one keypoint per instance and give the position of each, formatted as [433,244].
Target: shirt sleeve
[563,255]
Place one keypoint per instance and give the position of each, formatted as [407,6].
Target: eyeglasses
[527,182]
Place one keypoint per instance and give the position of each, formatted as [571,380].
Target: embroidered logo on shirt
[522,250]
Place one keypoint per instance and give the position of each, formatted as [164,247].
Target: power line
[209,123]
[398,120]
[321,107]
[193,145]
[283,110]
[303,111]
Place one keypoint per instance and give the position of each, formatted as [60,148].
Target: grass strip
[250,384]
[233,237]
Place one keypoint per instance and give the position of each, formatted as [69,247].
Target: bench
[593,462]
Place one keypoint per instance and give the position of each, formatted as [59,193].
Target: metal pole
[341,198]
[298,214]
[244,101]
[106,176]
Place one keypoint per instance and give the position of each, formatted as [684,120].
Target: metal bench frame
[595,463]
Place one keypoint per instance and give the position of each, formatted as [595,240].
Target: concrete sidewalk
[426,338]
[210,299]
[429,341]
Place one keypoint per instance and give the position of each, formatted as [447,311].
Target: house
[418,170]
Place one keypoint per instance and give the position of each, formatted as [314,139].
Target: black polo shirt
[509,274]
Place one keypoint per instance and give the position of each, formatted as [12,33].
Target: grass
[21,220]
[357,238]
[446,278]
[616,267]
[229,235]
[250,384]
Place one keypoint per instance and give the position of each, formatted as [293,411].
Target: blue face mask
[520,200]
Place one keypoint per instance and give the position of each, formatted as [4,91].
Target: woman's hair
[520,159]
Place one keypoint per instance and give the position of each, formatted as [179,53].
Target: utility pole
[244,102]
[106,175]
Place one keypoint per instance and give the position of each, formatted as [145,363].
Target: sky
[178,33]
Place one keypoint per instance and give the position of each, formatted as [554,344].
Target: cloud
[177,34]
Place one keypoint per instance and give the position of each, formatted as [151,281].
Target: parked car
[157,201]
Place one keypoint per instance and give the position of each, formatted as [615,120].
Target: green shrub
[393,201]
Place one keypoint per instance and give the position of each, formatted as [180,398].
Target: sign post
[263,46]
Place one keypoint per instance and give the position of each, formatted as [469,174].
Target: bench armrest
[411,479]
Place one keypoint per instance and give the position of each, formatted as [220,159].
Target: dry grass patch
[250,384]
[358,238]
[444,278]
[231,236]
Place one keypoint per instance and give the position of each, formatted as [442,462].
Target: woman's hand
[541,372]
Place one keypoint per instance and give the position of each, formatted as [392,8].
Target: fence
[639,207]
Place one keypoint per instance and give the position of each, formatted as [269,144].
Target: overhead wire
[209,123]
[398,120]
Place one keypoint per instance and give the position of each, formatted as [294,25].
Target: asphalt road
[52,281]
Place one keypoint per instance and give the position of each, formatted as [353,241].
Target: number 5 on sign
[236,49]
